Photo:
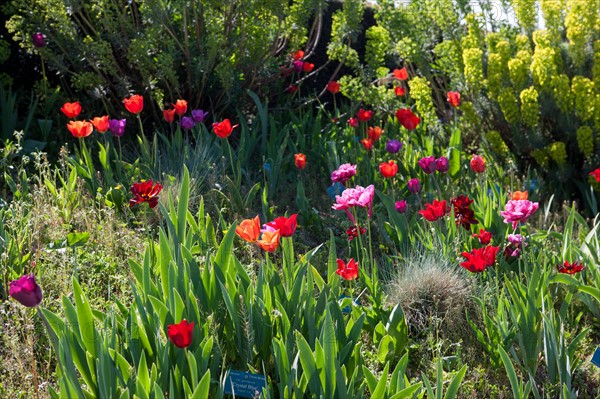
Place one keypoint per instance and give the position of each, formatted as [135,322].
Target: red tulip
[101,123]
[463,214]
[298,55]
[434,211]
[388,169]
[353,122]
[180,107]
[480,259]
[367,144]
[181,334]
[26,291]
[484,237]
[308,67]
[400,91]
[374,133]
[364,116]
[292,89]
[477,164]
[134,104]
[169,115]
[223,129]
[333,87]
[407,118]
[71,110]
[454,98]
[145,191]
[353,232]
[80,129]
[596,174]
[401,74]
[300,161]
[571,268]
[347,271]
[286,226]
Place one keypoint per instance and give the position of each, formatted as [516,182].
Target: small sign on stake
[596,357]
[245,385]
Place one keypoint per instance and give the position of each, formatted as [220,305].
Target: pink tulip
[518,211]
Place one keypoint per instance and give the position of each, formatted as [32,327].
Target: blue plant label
[245,385]
[335,189]
[348,309]
[596,357]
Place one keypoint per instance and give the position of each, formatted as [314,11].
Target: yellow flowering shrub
[541,156]
[518,69]
[420,91]
[558,152]
[473,60]
[530,110]
[583,94]
[509,106]
[496,143]
[561,91]
[585,140]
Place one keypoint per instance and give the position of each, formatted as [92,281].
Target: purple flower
[414,185]
[343,173]
[38,39]
[518,211]
[393,146]
[516,239]
[117,127]
[427,164]
[187,123]
[442,165]
[26,291]
[199,115]
[517,242]
[401,206]
[298,66]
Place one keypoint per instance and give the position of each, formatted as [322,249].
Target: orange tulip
[300,161]
[134,104]
[80,129]
[100,123]
[180,107]
[249,229]
[71,110]
[374,133]
[270,240]
[520,195]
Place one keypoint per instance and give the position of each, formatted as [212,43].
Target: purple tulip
[427,164]
[117,127]
[298,66]
[26,291]
[401,206]
[393,146]
[187,123]
[414,185]
[38,39]
[442,165]
[199,115]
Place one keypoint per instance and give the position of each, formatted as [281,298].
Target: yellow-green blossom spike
[558,152]
[585,140]
[509,106]
[530,110]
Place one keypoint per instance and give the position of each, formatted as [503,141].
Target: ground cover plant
[407,210]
